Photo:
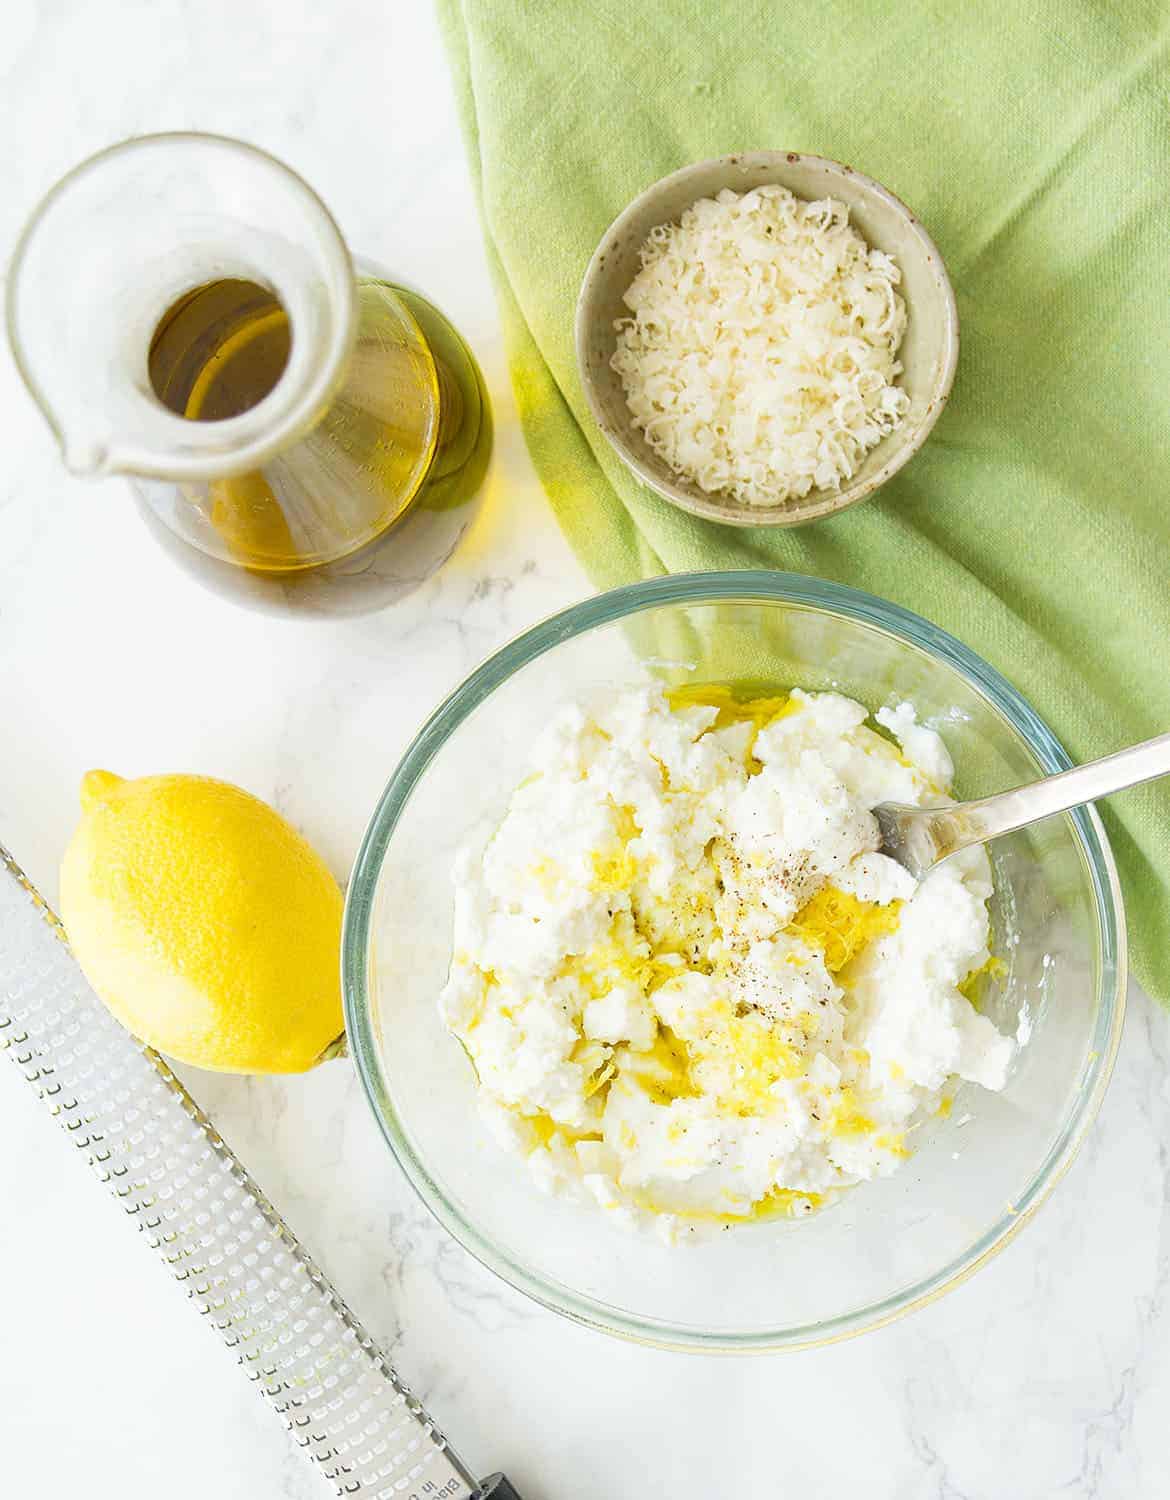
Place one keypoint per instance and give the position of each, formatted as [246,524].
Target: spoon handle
[1007,811]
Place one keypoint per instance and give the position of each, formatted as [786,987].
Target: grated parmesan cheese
[760,354]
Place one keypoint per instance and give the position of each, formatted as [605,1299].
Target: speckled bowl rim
[753,586]
[728,512]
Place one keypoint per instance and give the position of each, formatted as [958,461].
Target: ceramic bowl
[929,349]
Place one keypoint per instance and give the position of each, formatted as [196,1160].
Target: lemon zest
[847,1118]
[606,964]
[895,1144]
[613,872]
[841,925]
[992,966]
[626,820]
[758,712]
[739,1060]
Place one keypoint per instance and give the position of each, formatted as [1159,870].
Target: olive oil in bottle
[408,425]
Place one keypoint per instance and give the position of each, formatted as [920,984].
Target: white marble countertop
[1048,1375]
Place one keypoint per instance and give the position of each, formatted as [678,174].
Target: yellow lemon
[205,922]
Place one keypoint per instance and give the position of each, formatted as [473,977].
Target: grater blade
[225,1244]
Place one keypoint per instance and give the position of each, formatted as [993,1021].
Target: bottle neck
[161,218]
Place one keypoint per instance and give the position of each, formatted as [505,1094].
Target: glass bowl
[882,1248]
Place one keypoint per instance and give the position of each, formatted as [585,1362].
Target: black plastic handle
[496,1487]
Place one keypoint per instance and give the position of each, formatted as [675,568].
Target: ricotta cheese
[690,986]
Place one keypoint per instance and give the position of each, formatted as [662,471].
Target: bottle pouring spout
[185,312]
[86,458]
[117,244]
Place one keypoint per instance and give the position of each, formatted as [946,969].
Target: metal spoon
[918,838]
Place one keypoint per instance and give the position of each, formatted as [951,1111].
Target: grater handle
[496,1487]
[187,1193]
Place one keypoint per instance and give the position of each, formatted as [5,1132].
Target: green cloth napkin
[1031,139]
